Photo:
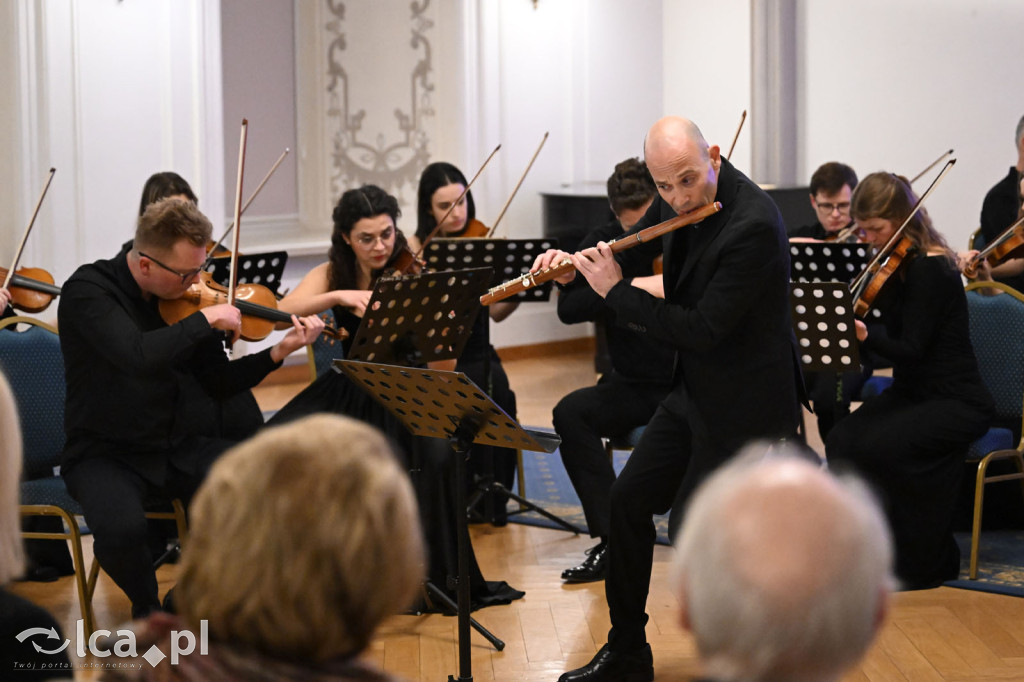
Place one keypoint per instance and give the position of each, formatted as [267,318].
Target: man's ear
[715,154]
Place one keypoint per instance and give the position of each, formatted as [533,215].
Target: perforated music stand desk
[823,321]
[415,319]
[510,258]
[827,262]
[442,404]
[254,268]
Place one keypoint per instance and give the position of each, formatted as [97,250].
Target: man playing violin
[831,187]
[137,388]
[1000,209]
[726,314]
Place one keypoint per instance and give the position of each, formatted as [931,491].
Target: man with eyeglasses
[831,188]
[136,418]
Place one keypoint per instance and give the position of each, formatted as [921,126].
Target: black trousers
[613,407]
[912,453]
[664,463]
[114,497]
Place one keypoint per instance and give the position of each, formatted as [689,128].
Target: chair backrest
[997,334]
[31,359]
[321,352]
[976,240]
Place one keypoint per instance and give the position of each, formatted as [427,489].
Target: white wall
[910,80]
[589,73]
[706,66]
[107,93]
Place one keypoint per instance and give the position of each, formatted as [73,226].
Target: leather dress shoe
[593,567]
[609,666]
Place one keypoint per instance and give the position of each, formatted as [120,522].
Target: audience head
[831,188]
[441,184]
[784,571]
[365,234]
[303,540]
[630,191]
[12,558]
[162,185]
[683,166]
[881,203]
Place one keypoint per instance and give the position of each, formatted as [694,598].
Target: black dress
[480,362]
[431,464]
[909,442]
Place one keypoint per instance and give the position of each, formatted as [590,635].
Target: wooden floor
[941,634]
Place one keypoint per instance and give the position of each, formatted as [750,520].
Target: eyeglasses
[186,277]
[368,240]
[843,208]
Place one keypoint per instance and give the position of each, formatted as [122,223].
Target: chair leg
[182,523]
[84,592]
[979,499]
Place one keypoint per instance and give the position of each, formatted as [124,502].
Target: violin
[257,303]
[880,272]
[848,235]
[1009,244]
[404,262]
[474,230]
[866,286]
[32,289]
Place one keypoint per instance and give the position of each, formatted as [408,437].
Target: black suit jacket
[726,312]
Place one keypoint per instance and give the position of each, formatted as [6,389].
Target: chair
[32,362]
[997,334]
[976,240]
[324,350]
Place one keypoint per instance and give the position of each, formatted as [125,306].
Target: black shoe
[593,567]
[608,666]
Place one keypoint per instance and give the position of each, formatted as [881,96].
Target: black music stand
[254,268]
[827,262]
[415,319]
[442,404]
[823,321]
[509,259]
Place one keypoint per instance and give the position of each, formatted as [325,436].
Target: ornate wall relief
[379,94]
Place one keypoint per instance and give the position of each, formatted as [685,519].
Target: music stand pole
[441,404]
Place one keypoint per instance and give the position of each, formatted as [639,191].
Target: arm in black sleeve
[928,287]
[222,378]
[96,316]
[750,258]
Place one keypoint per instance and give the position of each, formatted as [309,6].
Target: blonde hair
[12,556]
[304,539]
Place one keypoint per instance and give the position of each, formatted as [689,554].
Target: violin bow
[516,189]
[252,196]
[931,165]
[861,279]
[735,137]
[24,236]
[233,277]
[433,233]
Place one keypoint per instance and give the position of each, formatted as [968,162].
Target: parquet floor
[941,634]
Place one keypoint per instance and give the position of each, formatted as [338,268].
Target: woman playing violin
[441,185]
[364,238]
[910,440]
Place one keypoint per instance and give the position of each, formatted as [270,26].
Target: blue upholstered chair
[997,334]
[321,352]
[31,359]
